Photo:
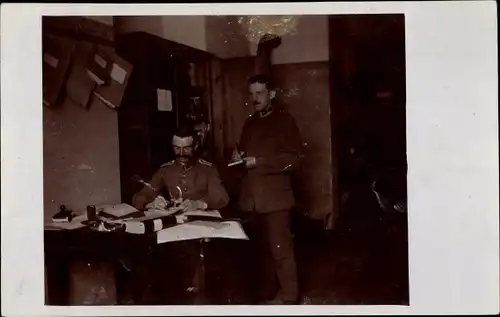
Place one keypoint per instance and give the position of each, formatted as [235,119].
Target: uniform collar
[186,168]
[266,112]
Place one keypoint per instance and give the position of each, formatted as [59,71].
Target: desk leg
[124,274]
[57,279]
[142,291]
[200,277]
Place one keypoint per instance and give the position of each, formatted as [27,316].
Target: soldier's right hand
[236,155]
[159,203]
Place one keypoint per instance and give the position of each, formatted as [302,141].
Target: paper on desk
[152,214]
[202,229]
[119,210]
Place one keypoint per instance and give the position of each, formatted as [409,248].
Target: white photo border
[452,140]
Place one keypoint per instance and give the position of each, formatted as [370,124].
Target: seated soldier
[201,188]
[198,179]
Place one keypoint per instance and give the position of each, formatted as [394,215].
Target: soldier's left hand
[189,205]
[158,203]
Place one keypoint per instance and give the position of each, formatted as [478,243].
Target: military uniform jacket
[275,142]
[201,181]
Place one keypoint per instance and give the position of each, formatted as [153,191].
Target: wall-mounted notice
[100,61]
[164,100]
[51,60]
[118,73]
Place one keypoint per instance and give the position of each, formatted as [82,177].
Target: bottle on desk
[91,213]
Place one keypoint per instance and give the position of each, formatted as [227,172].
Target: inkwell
[64,215]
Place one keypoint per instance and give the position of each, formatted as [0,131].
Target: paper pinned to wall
[164,100]
[118,73]
[96,78]
[100,61]
[51,60]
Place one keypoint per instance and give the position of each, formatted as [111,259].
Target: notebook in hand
[234,163]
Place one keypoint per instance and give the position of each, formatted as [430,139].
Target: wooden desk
[138,254]
[66,246]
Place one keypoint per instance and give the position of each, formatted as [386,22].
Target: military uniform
[179,261]
[200,181]
[274,140]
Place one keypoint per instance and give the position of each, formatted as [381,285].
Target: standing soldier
[270,145]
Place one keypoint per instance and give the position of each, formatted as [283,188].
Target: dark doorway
[369,102]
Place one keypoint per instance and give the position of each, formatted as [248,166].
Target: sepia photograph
[214,159]
[225,160]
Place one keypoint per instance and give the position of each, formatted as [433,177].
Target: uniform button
[185,189]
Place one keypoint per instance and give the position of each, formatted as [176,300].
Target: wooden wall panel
[305,92]
[219,105]
[80,157]
[236,73]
